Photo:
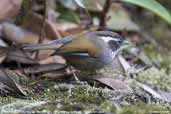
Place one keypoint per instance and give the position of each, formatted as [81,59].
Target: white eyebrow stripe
[108,38]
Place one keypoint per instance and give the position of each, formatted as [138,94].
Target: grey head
[112,41]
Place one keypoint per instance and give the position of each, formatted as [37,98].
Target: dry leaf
[16,34]
[113,83]
[19,35]
[9,9]
[68,28]
[21,57]
[44,68]
[7,79]
[165,95]
[150,90]
[53,59]
[34,23]
[44,54]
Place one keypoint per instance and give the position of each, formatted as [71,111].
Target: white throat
[108,38]
[114,54]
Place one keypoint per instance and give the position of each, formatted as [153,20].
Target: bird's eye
[119,42]
[113,45]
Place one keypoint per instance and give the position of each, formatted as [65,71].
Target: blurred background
[145,77]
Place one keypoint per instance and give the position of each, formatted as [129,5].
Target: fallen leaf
[150,90]
[53,59]
[165,95]
[113,83]
[21,57]
[34,23]
[9,9]
[8,79]
[18,35]
[68,28]
[44,68]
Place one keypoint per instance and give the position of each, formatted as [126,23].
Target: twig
[41,36]
[104,14]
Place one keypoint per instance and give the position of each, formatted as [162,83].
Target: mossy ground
[57,96]
[65,97]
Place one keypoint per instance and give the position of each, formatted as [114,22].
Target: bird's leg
[74,73]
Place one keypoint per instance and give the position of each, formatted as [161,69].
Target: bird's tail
[55,44]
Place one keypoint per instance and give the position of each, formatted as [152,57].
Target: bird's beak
[125,43]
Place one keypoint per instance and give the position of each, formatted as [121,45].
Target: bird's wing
[82,46]
[76,44]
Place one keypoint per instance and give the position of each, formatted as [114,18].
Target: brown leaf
[34,23]
[9,9]
[16,34]
[7,79]
[44,54]
[57,75]
[19,35]
[68,28]
[44,68]
[21,57]
[113,83]
[53,59]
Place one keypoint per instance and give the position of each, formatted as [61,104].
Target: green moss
[6,100]
[156,78]
[108,107]
[71,97]
[145,109]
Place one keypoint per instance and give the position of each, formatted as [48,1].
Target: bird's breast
[87,62]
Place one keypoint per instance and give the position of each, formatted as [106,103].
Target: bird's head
[113,40]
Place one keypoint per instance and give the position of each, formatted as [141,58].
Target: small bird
[85,51]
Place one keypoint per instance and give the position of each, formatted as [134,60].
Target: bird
[85,51]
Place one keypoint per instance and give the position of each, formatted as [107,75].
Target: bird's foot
[75,74]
